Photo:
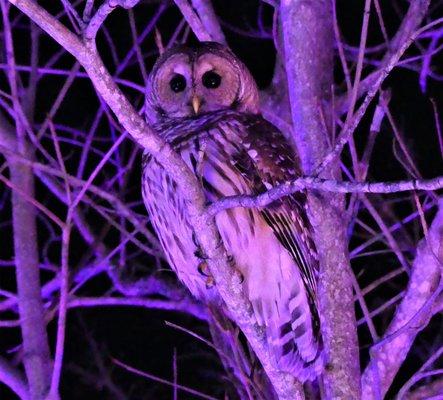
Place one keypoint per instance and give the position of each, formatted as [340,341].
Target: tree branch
[327,185]
[12,378]
[308,44]
[32,322]
[102,13]
[426,392]
[194,21]
[206,12]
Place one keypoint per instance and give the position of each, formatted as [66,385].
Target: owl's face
[188,82]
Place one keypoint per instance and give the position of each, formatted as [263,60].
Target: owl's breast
[210,155]
[169,217]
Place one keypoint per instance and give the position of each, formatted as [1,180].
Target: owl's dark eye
[211,80]
[177,83]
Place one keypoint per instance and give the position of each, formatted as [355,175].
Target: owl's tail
[294,337]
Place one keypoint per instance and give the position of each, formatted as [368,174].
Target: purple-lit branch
[407,30]
[102,13]
[308,58]
[209,20]
[194,20]
[35,344]
[185,304]
[164,381]
[84,169]
[326,185]
[378,78]
[12,377]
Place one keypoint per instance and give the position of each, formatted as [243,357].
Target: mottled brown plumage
[233,150]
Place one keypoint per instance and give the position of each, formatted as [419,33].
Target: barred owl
[204,102]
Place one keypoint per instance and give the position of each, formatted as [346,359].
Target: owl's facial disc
[216,84]
[187,82]
[173,86]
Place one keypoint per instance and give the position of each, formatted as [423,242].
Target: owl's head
[190,81]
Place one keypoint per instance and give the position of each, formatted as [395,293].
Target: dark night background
[139,336]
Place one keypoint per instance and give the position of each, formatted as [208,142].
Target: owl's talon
[199,254]
[203,269]
[209,282]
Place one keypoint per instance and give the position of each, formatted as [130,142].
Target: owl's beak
[196,103]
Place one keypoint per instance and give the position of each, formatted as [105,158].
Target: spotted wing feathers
[266,161]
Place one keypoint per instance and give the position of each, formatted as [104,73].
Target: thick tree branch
[206,12]
[102,13]
[308,44]
[32,322]
[12,378]
[412,315]
[326,185]
[194,21]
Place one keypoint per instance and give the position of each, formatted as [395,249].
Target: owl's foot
[232,262]
[200,255]
[203,269]
[198,251]
[209,282]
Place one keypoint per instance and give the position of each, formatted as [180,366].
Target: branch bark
[206,12]
[36,355]
[326,185]
[12,378]
[308,44]
[426,392]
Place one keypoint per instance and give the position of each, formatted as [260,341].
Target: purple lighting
[90,308]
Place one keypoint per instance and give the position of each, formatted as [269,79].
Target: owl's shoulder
[268,148]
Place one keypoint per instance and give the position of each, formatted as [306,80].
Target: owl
[205,103]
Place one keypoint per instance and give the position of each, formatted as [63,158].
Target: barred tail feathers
[295,346]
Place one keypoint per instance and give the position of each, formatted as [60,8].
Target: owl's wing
[266,159]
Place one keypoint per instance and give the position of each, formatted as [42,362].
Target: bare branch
[327,185]
[194,21]
[352,123]
[33,328]
[187,305]
[413,18]
[12,378]
[102,13]
[426,392]
[164,381]
[308,40]
[208,18]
